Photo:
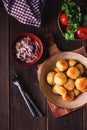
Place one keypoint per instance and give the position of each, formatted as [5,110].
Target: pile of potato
[67,79]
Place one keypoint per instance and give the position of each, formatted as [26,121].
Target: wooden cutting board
[53,50]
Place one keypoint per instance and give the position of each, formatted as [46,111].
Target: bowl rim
[20,36]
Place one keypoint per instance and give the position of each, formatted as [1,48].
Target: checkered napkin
[26,11]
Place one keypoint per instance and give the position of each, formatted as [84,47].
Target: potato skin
[60,78]
[62,65]
[50,77]
[69,96]
[73,73]
[76,92]
[57,89]
[81,68]
[70,84]
[72,62]
[81,84]
[56,70]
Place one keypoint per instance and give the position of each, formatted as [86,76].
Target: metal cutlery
[29,102]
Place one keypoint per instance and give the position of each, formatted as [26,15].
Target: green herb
[73,13]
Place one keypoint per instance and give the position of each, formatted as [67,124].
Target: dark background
[14,114]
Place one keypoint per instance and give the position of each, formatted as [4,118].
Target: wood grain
[14,114]
[4,70]
[19,112]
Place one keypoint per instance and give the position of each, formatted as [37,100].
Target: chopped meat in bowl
[27,48]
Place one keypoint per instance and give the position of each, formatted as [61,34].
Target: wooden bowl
[46,88]
[62,28]
[21,36]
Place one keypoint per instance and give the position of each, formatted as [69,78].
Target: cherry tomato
[64,19]
[82,32]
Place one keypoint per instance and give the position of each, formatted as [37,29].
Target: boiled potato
[76,92]
[73,73]
[56,70]
[70,84]
[72,62]
[69,96]
[81,68]
[57,89]
[66,79]
[62,65]
[50,77]
[84,90]
[60,78]
[81,84]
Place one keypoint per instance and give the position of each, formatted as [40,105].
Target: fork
[29,102]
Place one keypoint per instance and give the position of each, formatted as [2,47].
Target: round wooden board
[46,89]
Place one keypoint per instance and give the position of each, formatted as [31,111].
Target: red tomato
[82,32]
[64,19]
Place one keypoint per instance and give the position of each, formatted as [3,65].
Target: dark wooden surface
[14,114]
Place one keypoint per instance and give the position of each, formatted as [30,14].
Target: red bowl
[21,36]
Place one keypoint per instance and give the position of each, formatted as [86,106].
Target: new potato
[50,78]
[62,65]
[81,84]
[57,89]
[72,62]
[73,73]
[67,79]
[60,78]
[70,84]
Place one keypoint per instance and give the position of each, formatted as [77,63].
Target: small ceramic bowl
[29,54]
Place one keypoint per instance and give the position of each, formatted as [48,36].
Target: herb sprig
[73,12]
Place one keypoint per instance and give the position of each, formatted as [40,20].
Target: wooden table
[14,114]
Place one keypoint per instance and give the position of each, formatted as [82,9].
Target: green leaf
[73,12]
[66,35]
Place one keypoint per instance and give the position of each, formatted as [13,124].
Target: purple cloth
[26,11]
